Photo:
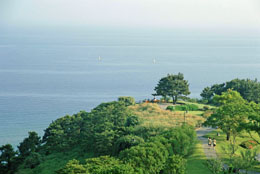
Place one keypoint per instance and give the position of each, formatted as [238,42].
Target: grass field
[152,115]
[196,162]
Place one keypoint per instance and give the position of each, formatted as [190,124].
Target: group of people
[212,142]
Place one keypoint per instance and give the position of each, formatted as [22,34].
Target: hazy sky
[199,14]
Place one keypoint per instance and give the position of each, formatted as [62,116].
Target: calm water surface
[44,76]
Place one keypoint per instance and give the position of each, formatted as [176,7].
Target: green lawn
[198,104]
[196,162]
[223,144]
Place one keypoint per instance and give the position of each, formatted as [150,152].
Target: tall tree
[231,115]
[173,86]
[29,144]
[8,161]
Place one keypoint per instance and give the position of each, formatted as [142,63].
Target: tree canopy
[231,114]
[173,86]
[248,89]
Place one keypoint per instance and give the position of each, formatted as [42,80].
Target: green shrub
[146,158]
[72,167]
[127,100]
[33,160]
[132,121]
[171,108]
[205,108]
[126,142]
[175,165]
[250,144]
[107,165]
[182,140]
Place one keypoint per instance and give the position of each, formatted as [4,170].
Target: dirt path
[209,151]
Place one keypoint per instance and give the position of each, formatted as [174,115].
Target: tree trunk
[174,99]
[228,136]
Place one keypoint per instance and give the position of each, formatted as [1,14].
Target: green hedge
[187,107]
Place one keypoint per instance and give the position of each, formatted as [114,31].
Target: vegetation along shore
[164,135]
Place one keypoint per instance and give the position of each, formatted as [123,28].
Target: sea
[47,74]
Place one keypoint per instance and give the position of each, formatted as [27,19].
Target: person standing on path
[214,143]
[209,142]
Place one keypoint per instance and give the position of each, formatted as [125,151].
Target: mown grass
[222,144]
[196,162]
[55,161]
[201,106]
[152,115]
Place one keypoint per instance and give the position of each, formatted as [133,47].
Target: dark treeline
[248,89]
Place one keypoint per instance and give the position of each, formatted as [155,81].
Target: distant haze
[188,14]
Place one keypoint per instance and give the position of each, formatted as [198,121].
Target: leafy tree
[127,100]
[33,160]
[73,167]
[126,142]
[248,89]
[132,121]
[107,165]
[29,145]
[175,165]
[106,125]
[231,115]
[146,158]
[182,140]
[253,121]
[64,132]
[8,159]
[173,86]
[207,93]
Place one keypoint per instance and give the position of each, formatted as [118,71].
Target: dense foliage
[248,89]
[232,114]
[113,134]
[127,100]
[173,86]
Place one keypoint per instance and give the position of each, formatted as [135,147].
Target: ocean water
[46,75]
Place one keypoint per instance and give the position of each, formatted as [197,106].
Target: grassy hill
[151,115]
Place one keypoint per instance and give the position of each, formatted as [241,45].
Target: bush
[214,165]
[205,108]
[182,140]
[187,107]
[107,165]
[171,108]
[250,144]
[132,121]
[127,100]
[72,167]
[33,160]
[175,165]
[126,142]
[145,158]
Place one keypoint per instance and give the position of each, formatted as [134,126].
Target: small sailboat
[99,58]
[154,61]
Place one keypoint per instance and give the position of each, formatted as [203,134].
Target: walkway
[209,151]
